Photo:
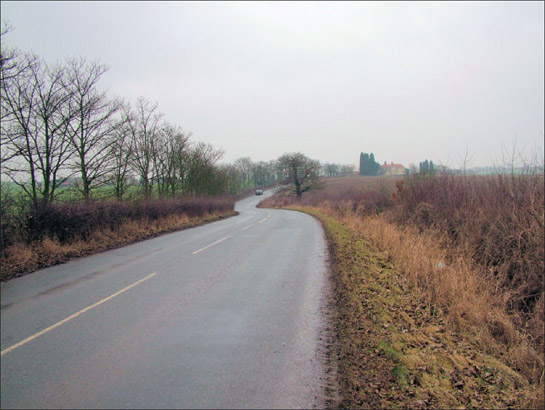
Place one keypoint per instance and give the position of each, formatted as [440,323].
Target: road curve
[226,315]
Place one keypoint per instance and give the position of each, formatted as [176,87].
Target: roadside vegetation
[439,278]
[58,232]
[439,287]
[82,171]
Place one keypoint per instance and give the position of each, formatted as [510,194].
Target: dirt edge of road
[390,349]
[22,260]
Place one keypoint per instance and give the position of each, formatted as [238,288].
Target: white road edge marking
[100,302]
[212,244]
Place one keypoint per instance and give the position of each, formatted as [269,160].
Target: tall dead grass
[473,244]
[498,219]
[50,235]
[460,289]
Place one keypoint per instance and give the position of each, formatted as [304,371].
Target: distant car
[259,192]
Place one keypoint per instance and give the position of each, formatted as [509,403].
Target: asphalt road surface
[226,315]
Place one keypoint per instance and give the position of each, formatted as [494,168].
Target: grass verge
[21,258]
[395,348]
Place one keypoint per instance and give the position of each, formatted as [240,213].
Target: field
[439,287]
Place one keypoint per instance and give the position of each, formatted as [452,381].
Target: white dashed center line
[212,244]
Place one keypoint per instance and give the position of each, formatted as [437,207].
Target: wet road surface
[226,315]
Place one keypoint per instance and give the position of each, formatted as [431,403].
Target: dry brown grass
[498,220]
[396,348]
[473,250]
[21,258]
[450,282]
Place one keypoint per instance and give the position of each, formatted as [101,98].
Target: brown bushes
[495,227]
[357,194]
[473,244]
[70,221]
[44,236]
[460,289]
[498,219]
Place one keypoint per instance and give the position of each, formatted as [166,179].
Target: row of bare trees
[337,170]
[58,125]
[244,174]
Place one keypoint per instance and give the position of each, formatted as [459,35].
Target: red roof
[392,166]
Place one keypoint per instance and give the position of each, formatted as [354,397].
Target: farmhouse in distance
[369,166]
[391,169]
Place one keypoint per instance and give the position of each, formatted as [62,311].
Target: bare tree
[12,65]
[183,168]
[178,154]
[91,129]
[348,169]
[244,173]
[144,131]
[8,57]
[38,103]
[246,168]
[271,172]
[331,169]
[234,182]
[299,170]
[202,173]
[261,176]
[169,157]
[121,150]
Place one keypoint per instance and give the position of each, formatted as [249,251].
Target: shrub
[492,229]
[361,195]
[78,220]
[499,219]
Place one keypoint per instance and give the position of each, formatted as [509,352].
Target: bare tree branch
[90,131]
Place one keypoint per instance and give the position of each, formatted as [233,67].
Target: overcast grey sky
[404,80]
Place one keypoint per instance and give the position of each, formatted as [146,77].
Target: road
[225,315]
